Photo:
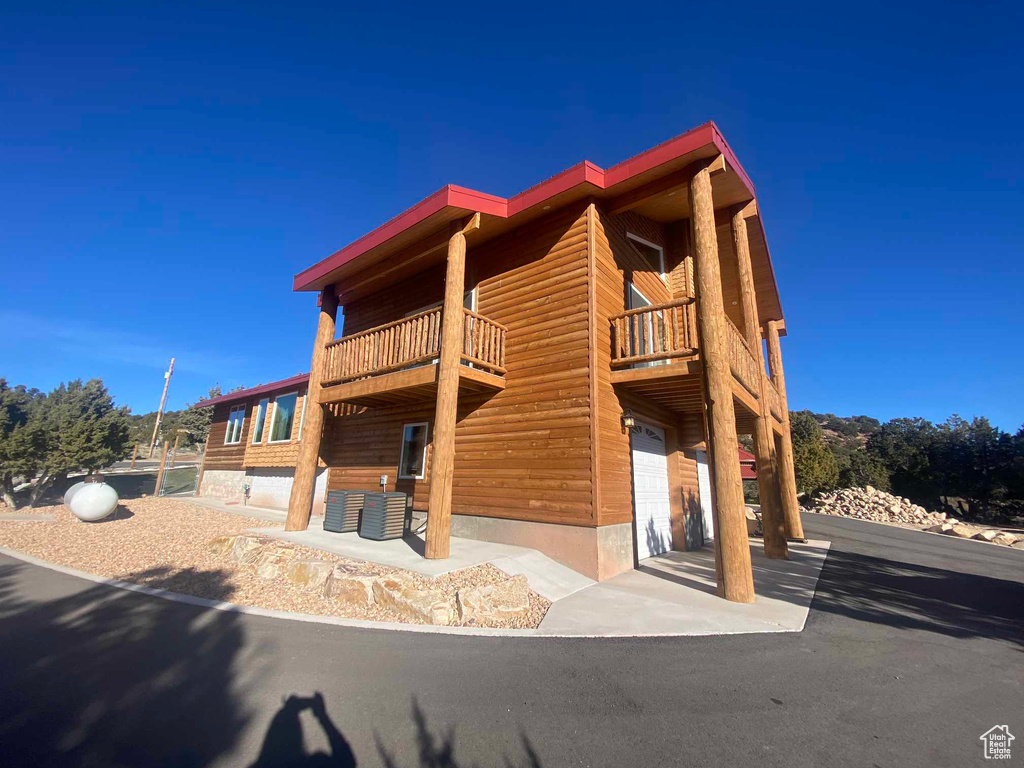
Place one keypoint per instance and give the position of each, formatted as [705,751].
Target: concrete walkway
[674,594]
[547,577]
[242,510]
[671,594]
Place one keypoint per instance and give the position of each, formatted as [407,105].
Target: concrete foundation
[598,553]
[224,485]
[269,487]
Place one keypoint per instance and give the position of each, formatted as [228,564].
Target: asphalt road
[912,649]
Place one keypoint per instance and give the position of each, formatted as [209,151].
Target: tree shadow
[889,592]
[102,676]
[438,750]
[909,596]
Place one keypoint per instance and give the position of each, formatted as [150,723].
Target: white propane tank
[93,502]
[70,493]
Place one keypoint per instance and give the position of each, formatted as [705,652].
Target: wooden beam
[374,275]
[771,513]
[300,503]
[787,472]
[673,182]
[442,464]
[732,547]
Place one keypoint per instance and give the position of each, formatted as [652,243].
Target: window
[654,255]
[284,417]
[233,433]
[261,417]
[414,451]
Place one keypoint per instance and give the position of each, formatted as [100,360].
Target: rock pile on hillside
[881,507]
[872,504]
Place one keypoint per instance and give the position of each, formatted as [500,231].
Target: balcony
[396,363]
[655,354]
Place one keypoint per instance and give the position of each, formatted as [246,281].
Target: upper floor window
[284,417]
[261,418]
[653,254]
[233,433]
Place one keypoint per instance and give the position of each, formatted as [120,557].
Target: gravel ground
[163,543]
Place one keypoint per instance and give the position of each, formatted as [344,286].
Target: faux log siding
[691,439]
[615,262]
[367,443]
[397,301]
[218,455]
[525,453]
[268,454]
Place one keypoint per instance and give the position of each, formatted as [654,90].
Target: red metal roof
[473,201]
[242,394]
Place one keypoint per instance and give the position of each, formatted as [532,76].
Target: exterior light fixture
[627,420]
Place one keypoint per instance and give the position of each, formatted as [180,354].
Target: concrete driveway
[911,651]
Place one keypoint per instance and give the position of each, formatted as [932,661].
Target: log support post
[300,503]
[768,492]
[732,547]
[787,474]
[442,463]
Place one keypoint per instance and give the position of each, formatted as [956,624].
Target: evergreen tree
[814,465]
[82,430]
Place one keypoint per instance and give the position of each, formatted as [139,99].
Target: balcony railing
[653,334]
[412,341]
[742,362]
[774,399]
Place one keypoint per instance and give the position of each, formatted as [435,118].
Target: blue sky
[167,169]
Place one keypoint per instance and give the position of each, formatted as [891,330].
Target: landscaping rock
[221,545]
[985,535]
[493,603]
[753,524]
[940,528]
[1004,538]
[274,561]
[246,549]
[429,606]
[346,587]
[309,574]
[962,532]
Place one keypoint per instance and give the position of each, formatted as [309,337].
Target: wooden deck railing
[742,362]
[411,341]
[483,342]
[651,334]
[774,398]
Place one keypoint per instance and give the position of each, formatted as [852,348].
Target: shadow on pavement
[103,676]
[909,596]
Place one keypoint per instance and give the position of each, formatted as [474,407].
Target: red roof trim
[481,202]
[242,394]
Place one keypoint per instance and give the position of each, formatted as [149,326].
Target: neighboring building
[254,442]
[555,369]
[748,465]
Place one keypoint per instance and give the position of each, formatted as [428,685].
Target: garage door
[707,517]
[652,517]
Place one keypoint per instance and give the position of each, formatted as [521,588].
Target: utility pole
[160,411]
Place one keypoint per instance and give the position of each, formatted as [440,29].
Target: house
[567,369]
[254,443]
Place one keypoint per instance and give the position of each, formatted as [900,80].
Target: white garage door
[707,517]
[652,518]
